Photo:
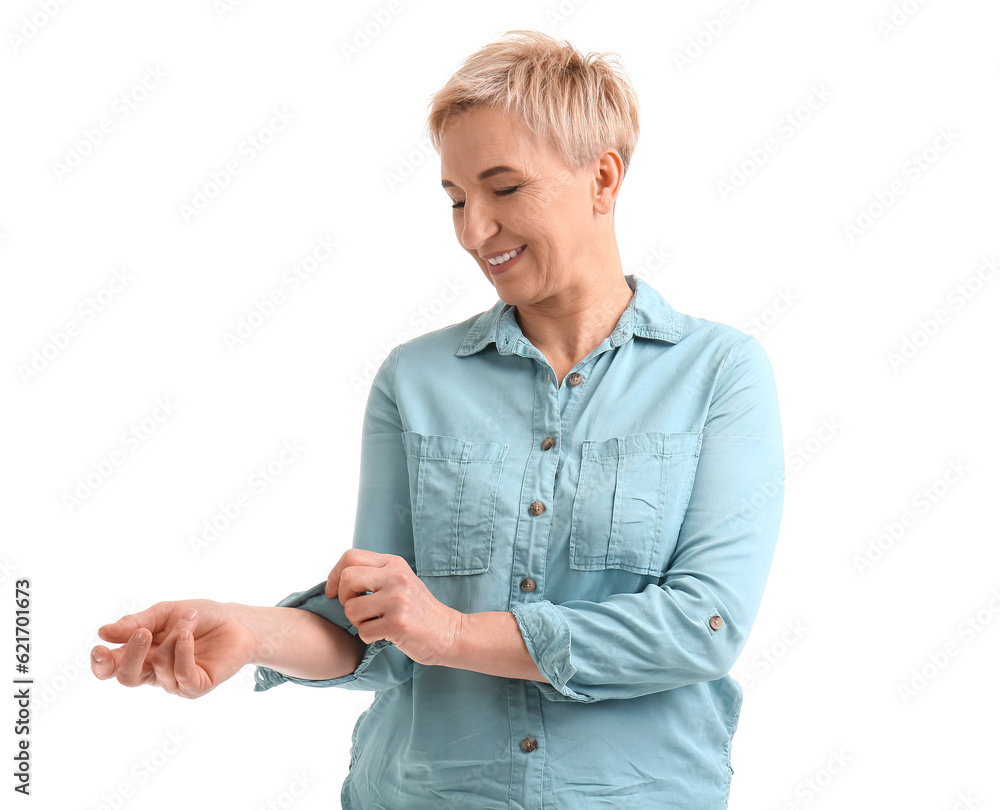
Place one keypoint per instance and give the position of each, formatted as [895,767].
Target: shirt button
[536,508]
[529,744]
[527,585]
[715,622]
[547,443]
[575,378]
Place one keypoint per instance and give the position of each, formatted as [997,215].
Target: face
[513,196]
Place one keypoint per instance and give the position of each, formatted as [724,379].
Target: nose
[476,225]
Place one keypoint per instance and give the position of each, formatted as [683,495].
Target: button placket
[529,565]
[528,571]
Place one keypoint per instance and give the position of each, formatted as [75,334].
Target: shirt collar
[647,315]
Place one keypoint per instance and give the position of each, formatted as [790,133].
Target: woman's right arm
[189,647]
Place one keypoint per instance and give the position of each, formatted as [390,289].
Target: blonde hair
[579,104]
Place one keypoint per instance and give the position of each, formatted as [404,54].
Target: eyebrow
[483,175]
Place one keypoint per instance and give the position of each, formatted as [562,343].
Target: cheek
[554,234]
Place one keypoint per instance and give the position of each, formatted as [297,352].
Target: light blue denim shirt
[627,518]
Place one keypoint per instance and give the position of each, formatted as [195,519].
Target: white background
[825,723]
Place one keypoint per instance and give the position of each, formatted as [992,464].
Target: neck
[571,327]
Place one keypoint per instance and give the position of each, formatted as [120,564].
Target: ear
[608,174]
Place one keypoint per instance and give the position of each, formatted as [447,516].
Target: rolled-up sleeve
[382,524]
[693,624]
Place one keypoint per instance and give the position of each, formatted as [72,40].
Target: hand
[187,648]
[399,608]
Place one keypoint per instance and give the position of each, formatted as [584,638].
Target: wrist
[491,643]
[454,640]
[256,622]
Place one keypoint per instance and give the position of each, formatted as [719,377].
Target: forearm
[301,644]
[491,643]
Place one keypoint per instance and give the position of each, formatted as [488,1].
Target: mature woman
[568,505]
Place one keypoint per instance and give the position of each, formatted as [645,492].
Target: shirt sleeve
[382,524]
[693,624]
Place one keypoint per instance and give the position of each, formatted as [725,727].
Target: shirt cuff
[547,637]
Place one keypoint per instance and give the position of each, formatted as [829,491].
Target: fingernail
[190,614]
[98,657]
[140,640]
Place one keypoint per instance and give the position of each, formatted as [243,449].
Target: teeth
[506,257]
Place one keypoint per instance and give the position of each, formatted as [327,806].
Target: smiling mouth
[506,257]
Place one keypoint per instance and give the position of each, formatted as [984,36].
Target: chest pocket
[453,493]
[630,501]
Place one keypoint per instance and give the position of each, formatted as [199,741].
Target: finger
[360,609]
[103,662]
[353,556]
[358,580]
[332,582]
[153,618]
[186,671]
[130,666]
[163,660]
[371,630]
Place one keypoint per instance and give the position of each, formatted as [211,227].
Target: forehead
[480,139]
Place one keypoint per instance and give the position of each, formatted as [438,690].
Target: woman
[568,503]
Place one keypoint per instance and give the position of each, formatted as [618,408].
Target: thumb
[152,618]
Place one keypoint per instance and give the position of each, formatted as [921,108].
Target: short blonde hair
[579,104]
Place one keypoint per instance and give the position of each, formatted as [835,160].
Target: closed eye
[504,192]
